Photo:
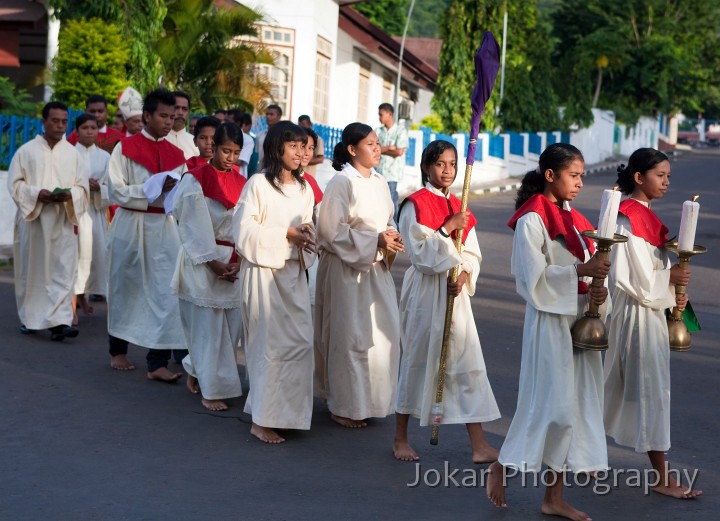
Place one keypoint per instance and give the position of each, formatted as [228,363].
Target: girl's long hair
[274,147]
[351,135]
[642,160]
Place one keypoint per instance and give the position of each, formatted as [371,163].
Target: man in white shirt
[248,143]
[273,113]
[178,136]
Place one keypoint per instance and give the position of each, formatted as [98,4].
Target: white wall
[596,141]
[644,134]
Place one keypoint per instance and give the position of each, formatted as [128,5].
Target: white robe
[185,141]
[637,364]
[92,227]
[357,323]
[276,305]
[467,396]
[558,421]
[142,253]
[209,307]
[45,244]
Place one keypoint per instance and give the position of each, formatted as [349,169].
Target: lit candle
[688,225]
[608,213]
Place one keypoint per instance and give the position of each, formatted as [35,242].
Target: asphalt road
[79,441]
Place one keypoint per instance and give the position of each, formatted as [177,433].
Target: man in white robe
[178,136]
[143,244]
[48,182]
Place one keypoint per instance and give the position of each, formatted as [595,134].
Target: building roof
[22,14]
[427,49]
[382,45]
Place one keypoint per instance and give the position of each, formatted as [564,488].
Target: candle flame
[695,197]
[615,187]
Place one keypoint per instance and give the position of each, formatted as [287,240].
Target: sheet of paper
[154,185]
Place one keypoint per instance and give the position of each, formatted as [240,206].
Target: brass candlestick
[589,331]
[680,339]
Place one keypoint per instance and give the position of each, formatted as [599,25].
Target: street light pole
[400,60]
[502,62]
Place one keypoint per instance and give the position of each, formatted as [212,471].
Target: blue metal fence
[426,131]
[445,137]
[535,143]
[410,152]
[497,146]
[565,137]
[330,136]
[551,139]
[517,143]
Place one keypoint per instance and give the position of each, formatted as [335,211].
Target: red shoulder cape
[105,140]
[317,193]
[644,222]
[558,222]
[224,187]
[156,156]
[195,162]
[433,210]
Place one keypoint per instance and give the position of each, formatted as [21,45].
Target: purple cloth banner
[487,63]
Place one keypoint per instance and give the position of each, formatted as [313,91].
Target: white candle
[688,225]
[608,213]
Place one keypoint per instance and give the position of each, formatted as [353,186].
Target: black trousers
[156,358]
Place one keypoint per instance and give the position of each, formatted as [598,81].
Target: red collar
[155,156]
[317,193]
[195,162]
[224,187]
[644,222]
[433,210]
[558,222]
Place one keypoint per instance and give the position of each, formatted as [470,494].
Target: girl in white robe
[357,326]
[205,278]
[558,420]
[637,364]
[92,225]
[428,220]
[276,238]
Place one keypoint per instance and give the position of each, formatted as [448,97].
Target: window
[321,99]
[363,89]
[387,88]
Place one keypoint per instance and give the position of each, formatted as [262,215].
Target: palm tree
[206,51]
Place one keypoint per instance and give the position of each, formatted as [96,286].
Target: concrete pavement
[79,441]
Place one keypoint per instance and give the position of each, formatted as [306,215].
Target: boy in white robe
[637,364]
[48,182]
[143,244]
[92,225]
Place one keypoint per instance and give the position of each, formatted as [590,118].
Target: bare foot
[674,489]
[495,485]
[404,452]
[193,386]
[487,454]
[347,422]
[85,305]
[214,405]
[74,318]
[163,374]
[121,363]
[266,434]
[563,509]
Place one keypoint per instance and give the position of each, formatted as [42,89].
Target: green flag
[690,319]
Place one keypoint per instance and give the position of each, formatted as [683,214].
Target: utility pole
[400,61]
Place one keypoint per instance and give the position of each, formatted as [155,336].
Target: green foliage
[433,121]
[91,60]
[140,22]
[15,101]
[390,16]
[200,54]
[529,102]
[663,56]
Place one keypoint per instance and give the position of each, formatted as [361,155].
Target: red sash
[234,256]
[223,187]
[644,222]
[155,156]
[558,222]
[196,162]
[434,210]
[317,193]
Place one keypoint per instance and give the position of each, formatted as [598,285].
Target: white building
[335,66]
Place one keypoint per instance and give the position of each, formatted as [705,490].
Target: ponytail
[340,156]
[351,136]
[642,160]
[532,183]
[555,157]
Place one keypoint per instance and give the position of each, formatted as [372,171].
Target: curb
[516,184]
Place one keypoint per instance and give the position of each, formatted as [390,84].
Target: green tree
[529,102]
[203,52]
[15,101]
[140,22]
[91,60]
[388,15]
[662,56]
